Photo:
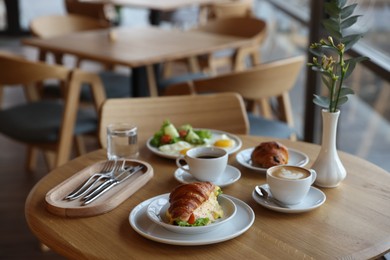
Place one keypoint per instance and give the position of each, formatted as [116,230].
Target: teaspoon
[265,195]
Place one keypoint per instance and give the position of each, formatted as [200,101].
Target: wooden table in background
[158,6]
[161,5]
[137,48]
[353,223]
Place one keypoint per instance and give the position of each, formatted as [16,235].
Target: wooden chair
[49,125]
[266,85]
[100,11]
[236,60]
[56,25]
[222,111]
[245,27]
[225,9]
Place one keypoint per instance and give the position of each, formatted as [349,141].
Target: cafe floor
[17,241]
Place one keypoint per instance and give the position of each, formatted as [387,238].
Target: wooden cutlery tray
[56,204]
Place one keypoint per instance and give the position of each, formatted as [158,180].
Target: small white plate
[231,150]
[240,223]
[313,200]
[295,158]
[156,211]
[230,176]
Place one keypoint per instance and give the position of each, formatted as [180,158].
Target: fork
[108,184]
[108,170]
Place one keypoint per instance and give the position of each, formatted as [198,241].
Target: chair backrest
[251,28]
[257,84]
[223,111]
[100,11]
[224,9]
[18,71]
[55,25]
[247,27]
[237,8]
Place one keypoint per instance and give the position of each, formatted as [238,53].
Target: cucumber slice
[171,130]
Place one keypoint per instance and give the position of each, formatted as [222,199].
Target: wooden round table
[354,222]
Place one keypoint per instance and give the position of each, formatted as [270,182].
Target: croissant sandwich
[194,204]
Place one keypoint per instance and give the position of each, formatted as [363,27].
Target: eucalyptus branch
[331,52]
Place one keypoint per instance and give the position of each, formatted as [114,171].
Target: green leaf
[327,81]
[332,28]
[352,64]
[346,91]
[341,101]
[321,101]
[347,11]
[337,70]
[341,3]
[316,52]
[331,24]
[325,48]
[332,9]
[319,69]
[350,40]
[349,21]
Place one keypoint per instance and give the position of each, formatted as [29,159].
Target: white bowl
[157,209]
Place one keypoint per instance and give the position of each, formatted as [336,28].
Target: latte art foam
[290,174]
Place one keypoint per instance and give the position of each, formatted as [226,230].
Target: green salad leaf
[169,134]
[198,222]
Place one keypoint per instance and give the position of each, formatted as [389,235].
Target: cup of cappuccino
[290,184]
[204,163]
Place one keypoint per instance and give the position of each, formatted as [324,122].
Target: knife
[107,185]
[115,175]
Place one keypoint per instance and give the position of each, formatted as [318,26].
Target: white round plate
[295,158]
[158,207]
[241,222]
[313,200]
[230,176]
[215,133]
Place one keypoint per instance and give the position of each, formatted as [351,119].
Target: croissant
[194,204]
[269,154]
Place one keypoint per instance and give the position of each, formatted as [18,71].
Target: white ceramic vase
[330,170]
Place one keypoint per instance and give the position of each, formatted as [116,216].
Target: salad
[169,134]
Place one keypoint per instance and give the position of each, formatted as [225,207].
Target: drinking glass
[122,141]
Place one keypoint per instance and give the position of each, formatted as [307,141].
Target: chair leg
[167,69]
[152,84]
[193,64]
[1,95]
[80,145]
[50,158]
[31,160]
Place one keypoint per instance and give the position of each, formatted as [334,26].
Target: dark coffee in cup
[204,163]
[205,156]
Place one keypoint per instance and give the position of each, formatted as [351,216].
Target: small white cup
[290,184]
[121,141]
[204,163]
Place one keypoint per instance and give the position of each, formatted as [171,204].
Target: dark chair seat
[115,85]
[164,83]
[264,127]
[41,121]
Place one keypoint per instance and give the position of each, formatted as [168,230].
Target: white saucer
[231,175]
[314,199]
[240,223]
[295,158]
